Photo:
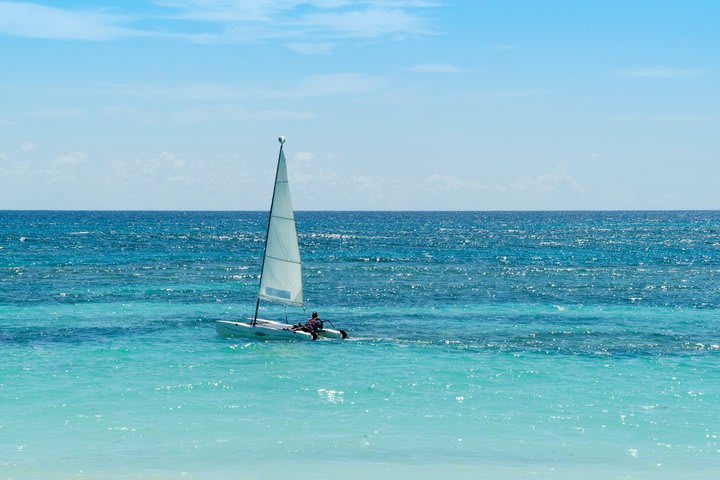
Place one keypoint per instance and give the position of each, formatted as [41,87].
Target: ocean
[508,345]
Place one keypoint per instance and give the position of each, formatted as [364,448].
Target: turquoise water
[484,345]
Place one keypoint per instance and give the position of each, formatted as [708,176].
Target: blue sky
[387,105]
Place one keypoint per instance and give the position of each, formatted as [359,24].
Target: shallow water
[495,345]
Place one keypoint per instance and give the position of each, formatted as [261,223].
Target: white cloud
[28,147]
[310,24]
[452,182]
[507,94]
[304,156]
[71,159]
[309,86]
[548,182]
[374,189]
[338,15]
[57,113]
[662,73]
[666,118]
[309,48]
[334,84]
[436,68]
[367,23]
[284,115]
[173,161]
[221,10]
[319,178]
[39,21]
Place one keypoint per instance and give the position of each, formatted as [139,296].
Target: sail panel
[281,279]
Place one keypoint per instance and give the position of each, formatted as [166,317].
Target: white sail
[281,279]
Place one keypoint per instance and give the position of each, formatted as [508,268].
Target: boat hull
[332,333]
[324,333]
[271,329]
[263,330]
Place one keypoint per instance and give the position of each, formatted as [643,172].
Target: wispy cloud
[307,26]
[363,23]
[304,156]
[57,113]
[557,179]
[662,73]
[285,115]
[39,21]
[334,84]
[306,87]
[436,68]
[70,159]
[662,118]
[508,94]
[452,182]
[309,48]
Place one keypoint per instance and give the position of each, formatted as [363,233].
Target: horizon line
[358,211]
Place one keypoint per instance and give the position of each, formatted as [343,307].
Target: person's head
[314,315]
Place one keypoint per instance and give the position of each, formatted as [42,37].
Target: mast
[281,139]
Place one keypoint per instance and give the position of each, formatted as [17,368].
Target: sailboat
[281,272]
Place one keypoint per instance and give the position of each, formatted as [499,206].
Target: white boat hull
[332,333]
[271,329]
[263,330]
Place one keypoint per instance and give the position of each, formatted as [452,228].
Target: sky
[386,104]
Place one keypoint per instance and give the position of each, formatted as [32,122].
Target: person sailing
[313,324]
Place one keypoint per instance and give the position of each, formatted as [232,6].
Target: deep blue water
[552,341]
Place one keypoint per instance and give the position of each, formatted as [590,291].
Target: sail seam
[282,259]
[283,218]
